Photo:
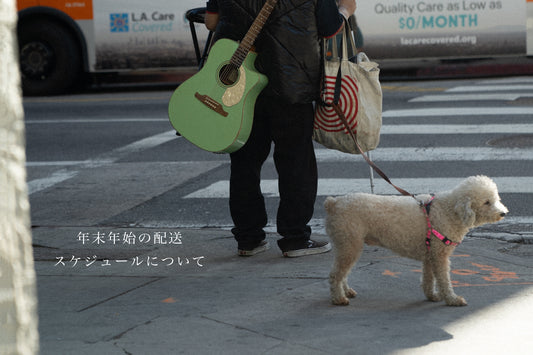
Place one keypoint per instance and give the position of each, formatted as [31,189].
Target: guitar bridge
[211,103]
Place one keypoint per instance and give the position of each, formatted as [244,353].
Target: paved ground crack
[243,328]
[120,335]
[120,294]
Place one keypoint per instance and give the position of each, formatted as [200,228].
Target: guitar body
[212,115]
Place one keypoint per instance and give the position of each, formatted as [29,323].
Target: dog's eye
[487,202]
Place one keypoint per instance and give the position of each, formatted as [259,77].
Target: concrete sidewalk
[186,291]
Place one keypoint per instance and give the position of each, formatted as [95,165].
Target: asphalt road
[111,158]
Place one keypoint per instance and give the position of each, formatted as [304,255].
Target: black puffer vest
[288,46]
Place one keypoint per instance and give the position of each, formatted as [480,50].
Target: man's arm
[347,8]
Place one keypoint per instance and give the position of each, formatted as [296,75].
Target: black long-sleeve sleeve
[329,20]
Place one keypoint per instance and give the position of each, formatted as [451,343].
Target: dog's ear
[463,208]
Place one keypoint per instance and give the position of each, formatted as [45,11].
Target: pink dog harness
[433,231]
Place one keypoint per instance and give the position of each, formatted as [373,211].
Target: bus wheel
[50,59]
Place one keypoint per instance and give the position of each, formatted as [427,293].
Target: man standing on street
[289,54]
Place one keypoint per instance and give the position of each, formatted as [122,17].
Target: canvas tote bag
[351,82]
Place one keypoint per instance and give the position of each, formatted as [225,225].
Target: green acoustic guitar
[214,108]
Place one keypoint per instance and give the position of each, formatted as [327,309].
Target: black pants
[290,127]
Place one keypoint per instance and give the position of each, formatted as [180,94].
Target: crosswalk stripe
[51,180]
[437,129]
[104,159]
[327,187]
[471,97]
[458,111]
[97,120]
[511,80]
[54,163]
[414,154]
[479,88]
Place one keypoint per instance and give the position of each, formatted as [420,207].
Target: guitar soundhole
[229,74]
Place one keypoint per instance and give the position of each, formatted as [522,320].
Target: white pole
[18,301]
[371,175]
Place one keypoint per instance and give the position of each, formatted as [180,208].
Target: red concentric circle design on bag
[326,118]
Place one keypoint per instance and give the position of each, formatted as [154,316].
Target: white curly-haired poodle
[403,224]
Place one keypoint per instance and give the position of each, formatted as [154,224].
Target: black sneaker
[262,247]
[310,248]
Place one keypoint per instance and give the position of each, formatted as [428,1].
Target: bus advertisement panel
[143,34]
[61,39]
[442,28]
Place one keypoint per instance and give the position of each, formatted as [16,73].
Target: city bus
[60,41]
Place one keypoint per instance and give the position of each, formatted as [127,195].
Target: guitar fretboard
[244,47]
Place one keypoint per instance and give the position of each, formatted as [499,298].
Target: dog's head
[478,201]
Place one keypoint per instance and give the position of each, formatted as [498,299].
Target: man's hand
[347,7]
[211,21]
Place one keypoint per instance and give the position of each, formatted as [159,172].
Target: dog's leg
[350,292]
[428,280]
[340,291]
[345,259]
[441,269]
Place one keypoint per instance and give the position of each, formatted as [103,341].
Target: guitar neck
[246,44]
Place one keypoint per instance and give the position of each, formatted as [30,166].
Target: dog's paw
[433,297]
[457,301]
[350,293]
[341,301]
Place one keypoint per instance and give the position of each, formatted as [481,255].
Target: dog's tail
[329,205]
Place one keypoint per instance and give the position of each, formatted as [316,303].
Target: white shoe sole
[264,246]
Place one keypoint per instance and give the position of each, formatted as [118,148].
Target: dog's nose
[503,214]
